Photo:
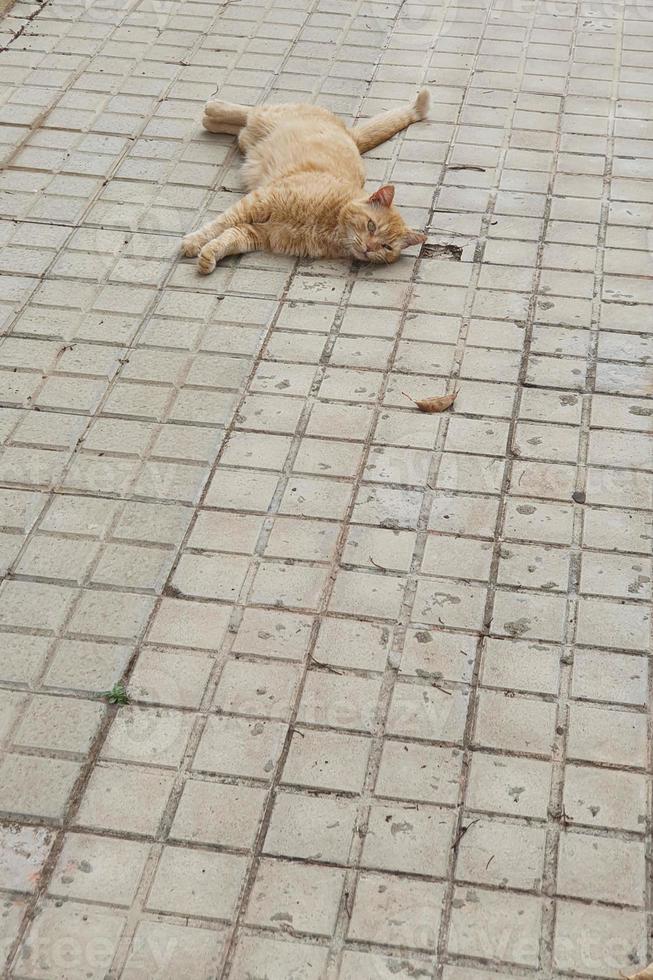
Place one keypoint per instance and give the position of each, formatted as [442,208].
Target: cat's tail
[380,128]
[224,117]
[422,103]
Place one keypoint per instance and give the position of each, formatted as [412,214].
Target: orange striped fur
[305,177]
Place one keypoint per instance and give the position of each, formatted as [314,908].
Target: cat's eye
[388,248]
[371,227]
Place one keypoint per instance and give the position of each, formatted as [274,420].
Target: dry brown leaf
[645,974]
[439,403]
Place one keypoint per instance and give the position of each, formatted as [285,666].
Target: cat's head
[375,231]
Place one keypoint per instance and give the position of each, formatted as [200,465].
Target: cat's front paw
[206,260]
[192,244]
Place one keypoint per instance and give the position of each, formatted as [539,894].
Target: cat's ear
[382,198]
[412,237]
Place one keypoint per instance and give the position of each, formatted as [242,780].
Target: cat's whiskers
[357,248]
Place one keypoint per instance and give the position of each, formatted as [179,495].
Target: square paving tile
[104,868]
[327,760]
[303,896]
[279,959]
[405,911]
[36,786]
[125,798]
[164,950]
[239,747]
[218,813]
[318,828]
[93,934]
[196,882]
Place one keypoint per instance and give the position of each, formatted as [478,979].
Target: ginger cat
[305,178]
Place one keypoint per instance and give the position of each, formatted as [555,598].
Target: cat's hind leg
[380,128]
[224,117]
[233,241]
[219,127]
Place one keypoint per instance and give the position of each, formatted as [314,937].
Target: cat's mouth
[358,250]
[369,258]
[362,255]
